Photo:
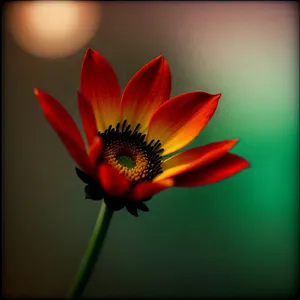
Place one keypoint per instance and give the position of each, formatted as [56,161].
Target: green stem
[90,256]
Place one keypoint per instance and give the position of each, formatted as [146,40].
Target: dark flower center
[127,151]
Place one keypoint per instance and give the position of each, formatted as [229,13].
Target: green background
[235,238]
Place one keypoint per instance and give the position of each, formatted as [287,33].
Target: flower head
[129,134]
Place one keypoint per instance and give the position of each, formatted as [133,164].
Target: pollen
[127,151]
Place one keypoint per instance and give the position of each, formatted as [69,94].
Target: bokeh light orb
[53,29]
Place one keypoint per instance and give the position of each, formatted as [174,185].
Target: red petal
[178,121]
[146,190]
[66,129]
[95,149]
[226,166]
[88,118]
[99,85]
[79,155]
[145,92]
[112,181]
[194,158]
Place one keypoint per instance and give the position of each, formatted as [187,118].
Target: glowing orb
[53,28]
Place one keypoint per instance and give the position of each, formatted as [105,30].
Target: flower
[130,134]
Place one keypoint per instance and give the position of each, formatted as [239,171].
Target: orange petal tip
[218,96]
[235,141]
[159,58]
[36,91]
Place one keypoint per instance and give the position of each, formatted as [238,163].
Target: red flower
[129,134]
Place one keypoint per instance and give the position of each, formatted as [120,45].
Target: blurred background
[235,238]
